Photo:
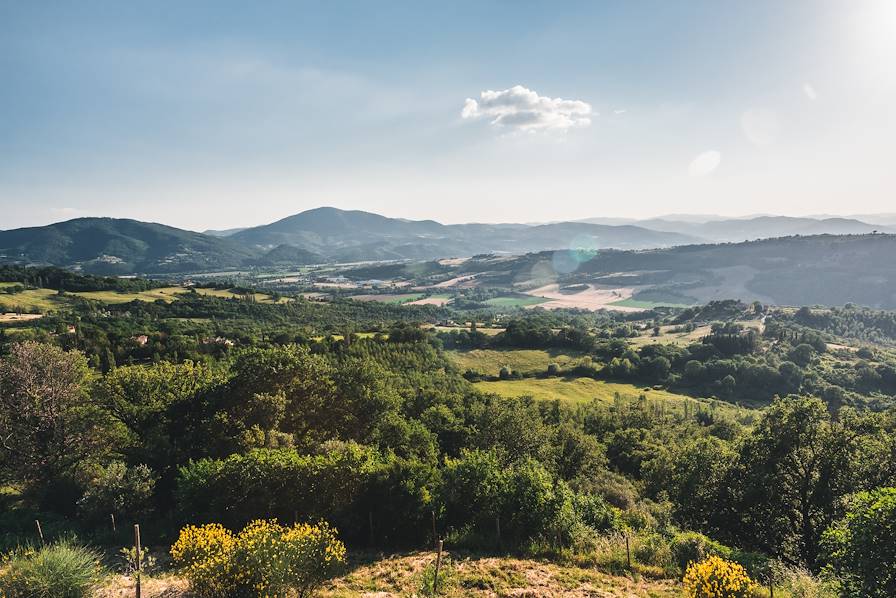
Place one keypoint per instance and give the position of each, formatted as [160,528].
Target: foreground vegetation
[769,443]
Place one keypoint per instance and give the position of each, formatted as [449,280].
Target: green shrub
[693,547]
[62,570]
[652,549]
[120,490]
[860,548]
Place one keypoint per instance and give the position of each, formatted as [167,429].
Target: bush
[717,578]
[265,559]
[693,547]
[120,490]
[62,570]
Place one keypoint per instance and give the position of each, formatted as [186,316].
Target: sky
[221,114]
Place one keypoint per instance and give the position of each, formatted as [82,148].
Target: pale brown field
[594,298]
[437,300]
[11,317]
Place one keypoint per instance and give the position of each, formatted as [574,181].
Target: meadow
[525,361]
[576,390]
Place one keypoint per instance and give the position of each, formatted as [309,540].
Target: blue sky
[217,114]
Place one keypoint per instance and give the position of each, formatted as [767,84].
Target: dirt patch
[121,586]
[592,298]
[459,282]
[11,317]
[437,301]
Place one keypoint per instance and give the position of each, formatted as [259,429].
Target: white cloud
[810,92]
[523,109]
[705,163]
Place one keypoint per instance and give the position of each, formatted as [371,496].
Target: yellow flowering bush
[264,559]
[204,555]
[717,578]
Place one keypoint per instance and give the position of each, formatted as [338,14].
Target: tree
[792,473]
[861,547]
[48,422]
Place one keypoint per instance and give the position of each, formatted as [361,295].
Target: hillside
[822,270]
[119,246]
[355,235]
[734,230]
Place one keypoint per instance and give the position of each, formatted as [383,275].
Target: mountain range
[123,246]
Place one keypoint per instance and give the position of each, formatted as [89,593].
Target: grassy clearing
[167,294]
[42,300]
[641,304]
[669,337]
[483,330]
[575,390]
[515,301]
[525,361]
[386,298]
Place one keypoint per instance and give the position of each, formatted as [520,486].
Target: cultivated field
[437,300]
[592,298]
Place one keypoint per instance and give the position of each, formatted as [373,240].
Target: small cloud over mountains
[522,109]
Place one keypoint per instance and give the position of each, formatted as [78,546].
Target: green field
[637,303]
[515,301]
[386,298]
[526,361]
[45,300]
[583,390]
[42,300]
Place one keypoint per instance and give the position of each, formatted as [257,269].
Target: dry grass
[395,576]
[11,317]
[168,586]
[467,575]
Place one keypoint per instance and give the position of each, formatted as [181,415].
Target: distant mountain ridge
[356,235]
[321,235]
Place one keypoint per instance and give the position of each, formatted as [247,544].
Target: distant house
[218,340]
[141,340]
[71,329]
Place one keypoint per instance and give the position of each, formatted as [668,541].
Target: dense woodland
[300,416]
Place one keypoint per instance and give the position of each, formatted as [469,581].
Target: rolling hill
[120,246]
[815,270]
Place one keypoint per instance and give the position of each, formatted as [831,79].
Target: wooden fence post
[435,579]
[112,515]
[137,548]
[435,538]
[628,552]
[40,532]
[498,530]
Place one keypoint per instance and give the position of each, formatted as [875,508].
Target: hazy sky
[217,114]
